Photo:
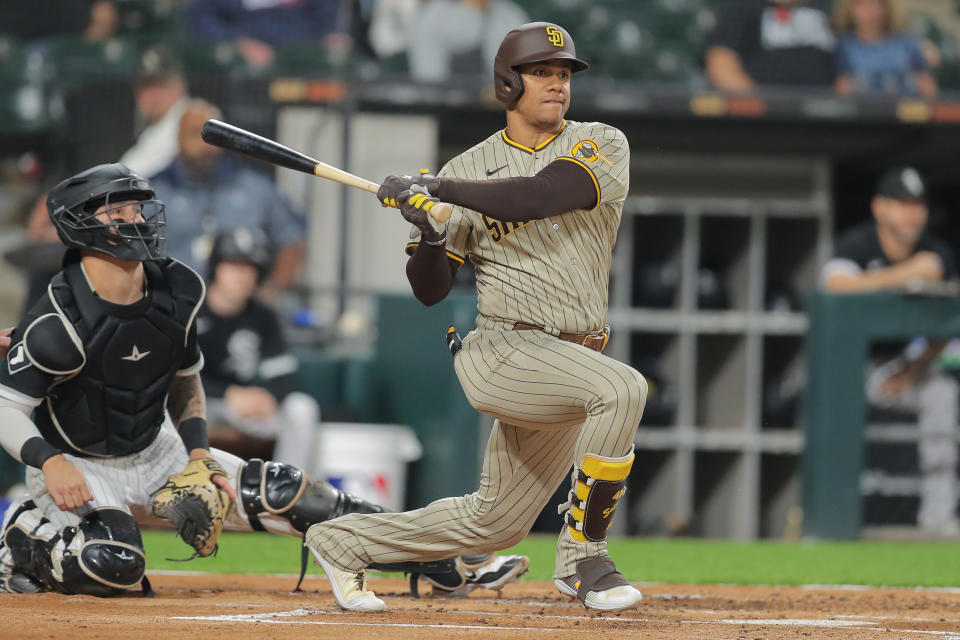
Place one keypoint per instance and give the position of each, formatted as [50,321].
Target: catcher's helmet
[531,42]
[73,204]
[243,244]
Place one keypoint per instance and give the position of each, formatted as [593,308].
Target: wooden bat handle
[439,212]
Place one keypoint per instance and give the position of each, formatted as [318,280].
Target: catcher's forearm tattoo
[185,399]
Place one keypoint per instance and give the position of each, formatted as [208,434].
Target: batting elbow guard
[598,484]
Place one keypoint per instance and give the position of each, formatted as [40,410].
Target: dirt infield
[218,606]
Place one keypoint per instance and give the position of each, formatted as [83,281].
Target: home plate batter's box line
[262,618]
[271,617]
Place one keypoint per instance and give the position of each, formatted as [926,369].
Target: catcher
[98,361]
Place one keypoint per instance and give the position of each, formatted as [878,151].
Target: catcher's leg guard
[598,484]
[101,556]
[282,490]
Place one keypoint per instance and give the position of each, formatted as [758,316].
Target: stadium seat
[25,104]
[77,62]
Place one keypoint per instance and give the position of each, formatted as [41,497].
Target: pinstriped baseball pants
[553,402]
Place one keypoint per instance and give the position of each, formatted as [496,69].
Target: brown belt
[595,341]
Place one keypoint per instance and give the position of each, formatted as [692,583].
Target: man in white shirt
[161,95]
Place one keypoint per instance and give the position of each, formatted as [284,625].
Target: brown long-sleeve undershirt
[559,187]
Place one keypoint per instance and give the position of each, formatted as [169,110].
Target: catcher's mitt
[194,504]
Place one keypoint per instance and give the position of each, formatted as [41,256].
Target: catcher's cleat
[349,588]
[499,572]
[603,587]
[479,572]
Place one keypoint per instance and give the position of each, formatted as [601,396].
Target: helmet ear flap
[508,84]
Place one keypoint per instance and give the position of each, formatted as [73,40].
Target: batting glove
[393,186]
[415,208]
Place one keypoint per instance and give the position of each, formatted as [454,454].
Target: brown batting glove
[415,205]
[389,192]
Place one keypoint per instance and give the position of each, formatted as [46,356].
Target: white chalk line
[277,618]
[788,622]
[262,618]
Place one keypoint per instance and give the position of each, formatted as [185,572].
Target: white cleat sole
[615,599]
[365,602]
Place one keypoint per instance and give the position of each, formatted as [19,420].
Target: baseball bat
[227,136]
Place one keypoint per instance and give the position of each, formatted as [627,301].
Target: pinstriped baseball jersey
[551,272]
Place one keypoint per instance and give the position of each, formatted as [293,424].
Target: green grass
[641,559]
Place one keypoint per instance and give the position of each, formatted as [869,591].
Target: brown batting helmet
[531,42]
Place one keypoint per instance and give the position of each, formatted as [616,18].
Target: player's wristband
[193,432]
[36,451]
[439,241]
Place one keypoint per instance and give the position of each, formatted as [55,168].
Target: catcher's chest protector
[115,405]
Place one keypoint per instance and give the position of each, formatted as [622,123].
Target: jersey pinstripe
[551,272]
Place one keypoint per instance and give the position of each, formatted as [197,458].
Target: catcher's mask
[531,42]
[87,214]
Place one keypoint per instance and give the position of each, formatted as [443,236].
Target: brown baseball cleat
[599,586]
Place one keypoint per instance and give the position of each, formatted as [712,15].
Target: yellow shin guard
[598,484]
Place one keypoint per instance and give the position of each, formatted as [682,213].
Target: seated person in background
[207,192]
[41,20]
[466,50]
[249,374]
[256,27]
[876,54]
[893,252]
[771,42]
[161,96]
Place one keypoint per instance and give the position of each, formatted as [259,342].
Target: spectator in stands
[464,36]
[876,54]
[207,192]
[771,42]
[894,252]
[248,372]
[256,27]
[95,20]
[390,22]
[161,95]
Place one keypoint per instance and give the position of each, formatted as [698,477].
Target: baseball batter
[537,210]
[99,361]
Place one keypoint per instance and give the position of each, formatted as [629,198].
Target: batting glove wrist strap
[441,239]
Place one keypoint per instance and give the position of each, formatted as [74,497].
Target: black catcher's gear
[531,42]
[280,489]
[101,556]
[73,205]
[246,244]
[116,361]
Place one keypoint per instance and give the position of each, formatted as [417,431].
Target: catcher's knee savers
[101,556]
[282,490]
[598,484]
